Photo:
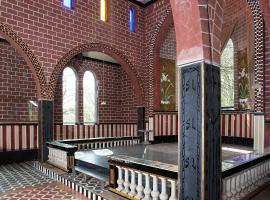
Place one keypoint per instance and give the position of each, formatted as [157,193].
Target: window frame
[96,97]
[76,97]
[232,107]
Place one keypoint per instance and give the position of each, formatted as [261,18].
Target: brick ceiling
[143,3]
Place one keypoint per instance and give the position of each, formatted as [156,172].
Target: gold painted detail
[122,194]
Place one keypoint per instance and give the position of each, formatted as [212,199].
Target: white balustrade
[120,180]
[163,195]
[244,182]
[147,189]
[132,184]
[142,185]
[173,190]
[139,187]
[155,192]
[58,158]
[126,183]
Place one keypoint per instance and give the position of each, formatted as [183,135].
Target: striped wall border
[18,137]
[63,132]
[53,175]
[239,125]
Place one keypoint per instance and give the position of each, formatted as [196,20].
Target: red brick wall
[17,85]
[51,31]
[168,47]
[116,89]
[238,25]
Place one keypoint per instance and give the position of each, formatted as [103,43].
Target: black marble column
[140,120]
[45,128]
[200,141]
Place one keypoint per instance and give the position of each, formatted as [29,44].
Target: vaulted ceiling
[143,3]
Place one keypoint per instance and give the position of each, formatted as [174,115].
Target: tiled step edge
[85,192]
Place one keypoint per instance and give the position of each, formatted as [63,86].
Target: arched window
[89,98]
[68,3]
[131,20]
[103,10]
[69,89]
[227,75]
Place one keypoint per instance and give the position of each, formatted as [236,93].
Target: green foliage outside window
[227,75]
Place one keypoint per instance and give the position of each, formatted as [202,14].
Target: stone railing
[100,143]
[133,177]
[62,155]
[241,180]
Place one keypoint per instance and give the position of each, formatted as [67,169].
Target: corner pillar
[199,124]
[45,128]
[140,121]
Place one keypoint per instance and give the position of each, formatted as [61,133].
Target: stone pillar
[199,138]
[259,133]
[45,128]
[140,120]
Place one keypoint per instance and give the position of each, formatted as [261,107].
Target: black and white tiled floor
[19,175]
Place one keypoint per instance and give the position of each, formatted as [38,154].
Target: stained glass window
[131,20]
[103,10]
[68,3]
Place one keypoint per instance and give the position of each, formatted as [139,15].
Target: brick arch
[29,57]
[114,53]
[258,51]
[192,31]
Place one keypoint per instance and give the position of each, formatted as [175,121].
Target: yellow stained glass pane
[103,10]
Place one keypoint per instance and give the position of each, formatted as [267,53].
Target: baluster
[155,192]
[249,180]
[147,189]
[163,195]
[233,187]
[126,183]
[224,190]
[243,181]
[139,187]
[173,190]
[228,188]
[254,172]
[238,185]
[120,180]
[132,184]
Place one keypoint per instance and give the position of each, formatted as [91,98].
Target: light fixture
[33,103]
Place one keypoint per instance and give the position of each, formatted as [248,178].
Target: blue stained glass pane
[131,20]
[68,4]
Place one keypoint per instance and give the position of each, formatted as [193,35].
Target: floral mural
[243,80]
[167,85]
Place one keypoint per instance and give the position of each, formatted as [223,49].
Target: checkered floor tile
[19,175]
[48,191]
[89,183]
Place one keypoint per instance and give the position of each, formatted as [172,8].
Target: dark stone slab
[45,128]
